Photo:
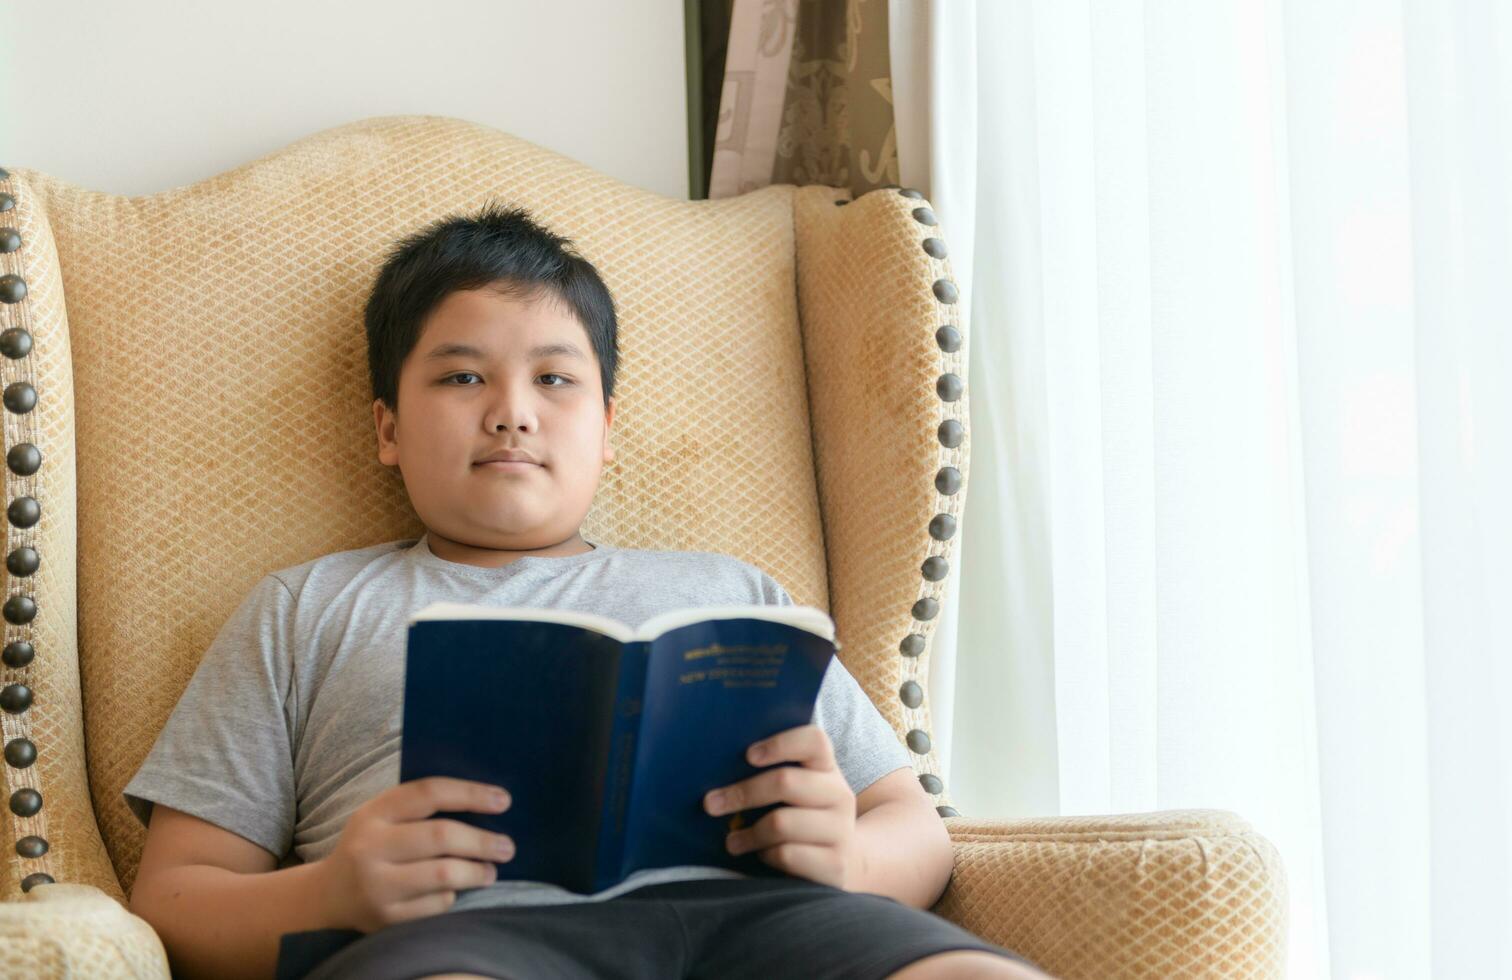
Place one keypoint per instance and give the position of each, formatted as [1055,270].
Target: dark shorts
[721,927]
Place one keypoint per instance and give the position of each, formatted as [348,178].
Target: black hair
[504,249]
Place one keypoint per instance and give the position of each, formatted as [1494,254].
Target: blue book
[607,737]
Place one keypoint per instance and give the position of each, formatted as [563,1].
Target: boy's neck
[466,554]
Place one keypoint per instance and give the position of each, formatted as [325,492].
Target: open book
[607,737]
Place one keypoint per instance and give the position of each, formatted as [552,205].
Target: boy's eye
[469,374]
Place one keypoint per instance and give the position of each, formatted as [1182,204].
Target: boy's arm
[904,849]
[221,909]
[216,900]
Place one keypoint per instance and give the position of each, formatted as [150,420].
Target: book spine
[623,741]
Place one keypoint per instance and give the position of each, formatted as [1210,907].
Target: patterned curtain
[806,96]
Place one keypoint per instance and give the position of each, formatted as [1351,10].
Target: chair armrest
[1180,893]
[71,930]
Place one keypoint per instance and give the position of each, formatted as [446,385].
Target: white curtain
[1237,279]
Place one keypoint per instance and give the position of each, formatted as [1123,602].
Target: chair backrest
[202,414]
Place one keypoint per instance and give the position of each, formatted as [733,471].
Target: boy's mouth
[507,456]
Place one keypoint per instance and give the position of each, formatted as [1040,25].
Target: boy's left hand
[814,835]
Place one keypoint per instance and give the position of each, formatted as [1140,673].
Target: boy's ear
[385,422]
[608,423]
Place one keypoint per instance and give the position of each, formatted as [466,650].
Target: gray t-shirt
[293,718]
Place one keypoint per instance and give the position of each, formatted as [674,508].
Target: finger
[418,908]
[806,744]
[419,798]
[417,878]
[797,825]
[815,862]
[434,837]
[782,784]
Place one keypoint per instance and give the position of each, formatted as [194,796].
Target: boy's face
[457,407]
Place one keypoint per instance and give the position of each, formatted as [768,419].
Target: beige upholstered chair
[186,407]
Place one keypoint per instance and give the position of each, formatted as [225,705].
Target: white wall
[141,96]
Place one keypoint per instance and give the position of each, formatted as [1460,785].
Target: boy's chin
[515,538]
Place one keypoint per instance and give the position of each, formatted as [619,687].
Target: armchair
[186,407]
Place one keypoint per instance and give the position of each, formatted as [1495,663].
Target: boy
[279,838]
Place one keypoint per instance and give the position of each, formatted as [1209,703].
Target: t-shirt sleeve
[866,747]
[226,752]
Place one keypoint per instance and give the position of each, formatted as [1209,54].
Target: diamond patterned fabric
[1177,895]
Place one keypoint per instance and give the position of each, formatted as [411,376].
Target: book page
[567,617]
[810,618]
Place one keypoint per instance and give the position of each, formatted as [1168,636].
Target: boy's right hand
[391,864]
